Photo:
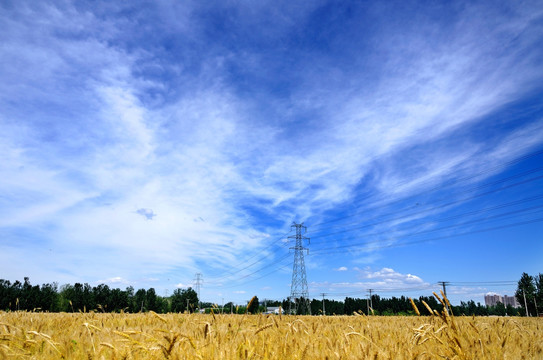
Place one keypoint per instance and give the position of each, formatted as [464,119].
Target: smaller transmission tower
[198,280]
[298,288]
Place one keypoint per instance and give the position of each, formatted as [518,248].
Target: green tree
[511,311]
[182,298]
[539,292]
[334,307]
[151,299]
[350,306]
[229,307]
[253,305]
[102,297]
[287,305]
[526,288]
[162,305]
[138,302]
[316,307]
[50,297]
[118,300]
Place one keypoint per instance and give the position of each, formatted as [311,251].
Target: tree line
[23,296]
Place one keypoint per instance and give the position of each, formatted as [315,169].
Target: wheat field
[26,335]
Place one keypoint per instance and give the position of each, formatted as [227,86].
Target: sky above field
[142,143]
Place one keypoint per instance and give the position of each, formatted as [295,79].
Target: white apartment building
[493,299]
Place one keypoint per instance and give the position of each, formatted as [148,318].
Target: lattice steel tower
[198,283]
[298,288]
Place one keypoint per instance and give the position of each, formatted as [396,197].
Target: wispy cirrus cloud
[101,119]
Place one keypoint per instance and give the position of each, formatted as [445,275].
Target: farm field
[25,335]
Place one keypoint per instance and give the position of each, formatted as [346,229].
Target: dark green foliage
[331,307]
[286,305]
[78,297]
[228,307]
[151,300]
[253,306]
[24,296]
[274,303]
[531,289]
[182,298]
[539,292]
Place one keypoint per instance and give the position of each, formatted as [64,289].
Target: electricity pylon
[298,288]
[198,280]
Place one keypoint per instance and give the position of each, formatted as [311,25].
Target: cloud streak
[248,128]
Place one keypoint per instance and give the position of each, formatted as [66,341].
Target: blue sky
[144,142]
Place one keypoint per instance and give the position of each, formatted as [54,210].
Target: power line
[461,224]
[517,202]
[382,290]
[268,256]
[486,284]
[238,270]
[419,288]
[426,240]
[235,283]
[278,262]
[336,248]
[275,267]
[441,186]
[275,262]
[449,203]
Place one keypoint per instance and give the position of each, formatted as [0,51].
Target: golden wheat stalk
[263,328]
[414,306]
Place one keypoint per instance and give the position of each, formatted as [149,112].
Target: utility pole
[444,284]
[323,309]
[370,305]
[197,284]
[289,306]
[536,310]
[525,303]
[298,289]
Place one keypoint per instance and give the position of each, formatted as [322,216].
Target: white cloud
[341,268]
[114,280]
[388,275]
[385,279]
[107,147]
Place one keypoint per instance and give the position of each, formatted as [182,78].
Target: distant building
[274,310]
[510,300]
[494,299]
